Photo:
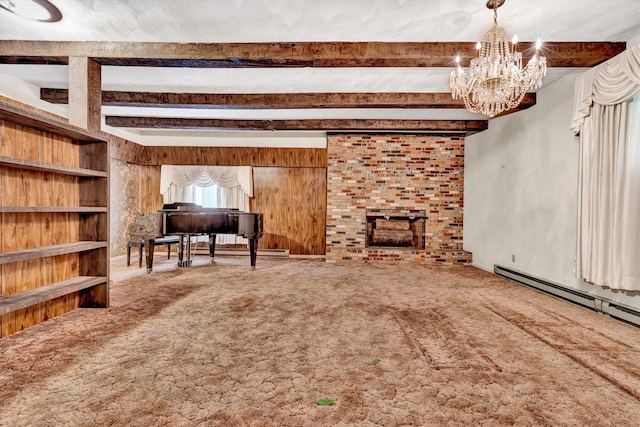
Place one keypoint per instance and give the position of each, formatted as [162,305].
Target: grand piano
[188,219]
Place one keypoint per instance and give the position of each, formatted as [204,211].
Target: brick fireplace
[395,228]
[408,187]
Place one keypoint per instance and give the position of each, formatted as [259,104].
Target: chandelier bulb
[538,45]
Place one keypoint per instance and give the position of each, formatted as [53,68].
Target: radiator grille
[598,304]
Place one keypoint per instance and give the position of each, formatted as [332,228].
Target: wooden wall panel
[293,201]
[269,197]
[127,151]
[8,223]
[237,156]
[317,194]
[289,187]
[150,198]
[47,225]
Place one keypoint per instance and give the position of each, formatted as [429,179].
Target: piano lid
[180,205]
[184,206]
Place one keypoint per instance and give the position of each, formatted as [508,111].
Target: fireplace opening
[395,229]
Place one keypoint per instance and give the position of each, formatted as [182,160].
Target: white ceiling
[221,21]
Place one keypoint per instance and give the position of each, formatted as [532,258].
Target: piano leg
[253,249]
[181,251]
[212,246]
[149,246]
[188,264]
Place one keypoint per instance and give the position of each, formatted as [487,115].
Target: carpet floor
[218,344]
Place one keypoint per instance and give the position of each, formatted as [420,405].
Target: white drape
[608,121]
[209,186]
[204,176]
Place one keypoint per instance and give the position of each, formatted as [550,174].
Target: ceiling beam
[467,126]
[304,54]
[269,101]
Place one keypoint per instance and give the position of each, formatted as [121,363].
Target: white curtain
[209,186]
[607,118]
[204,176]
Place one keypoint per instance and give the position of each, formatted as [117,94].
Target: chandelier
[496,81]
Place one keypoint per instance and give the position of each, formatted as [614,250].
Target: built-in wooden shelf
[71,168]
[54,209]
[45,293]
[46,167]
[47,251]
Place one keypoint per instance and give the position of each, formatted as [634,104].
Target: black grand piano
[188,219]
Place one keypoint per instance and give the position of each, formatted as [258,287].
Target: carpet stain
[571,340]
[441,343]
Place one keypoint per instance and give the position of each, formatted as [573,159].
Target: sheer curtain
[209,186]
[607,117]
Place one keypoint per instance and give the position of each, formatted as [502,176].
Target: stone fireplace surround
[396,172]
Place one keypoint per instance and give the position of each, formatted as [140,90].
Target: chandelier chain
[495,14]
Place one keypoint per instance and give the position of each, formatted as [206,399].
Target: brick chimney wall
[402,172]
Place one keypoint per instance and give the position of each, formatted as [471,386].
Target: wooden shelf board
[54,209]
[44,293]
[34,120]
[46,167]
[47,251]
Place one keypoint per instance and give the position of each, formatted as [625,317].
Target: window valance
[613,82]
[204,176]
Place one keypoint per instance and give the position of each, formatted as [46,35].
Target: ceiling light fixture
[496,80]
[38,10]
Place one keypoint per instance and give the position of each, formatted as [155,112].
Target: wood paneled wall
[217,156]
[25,230]
[290,186]
[127,151]
[238,156]
[293,201]
[150,198]
[294,204]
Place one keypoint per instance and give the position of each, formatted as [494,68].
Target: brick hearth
[401,172]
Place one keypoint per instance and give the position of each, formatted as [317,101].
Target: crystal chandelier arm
[497,81]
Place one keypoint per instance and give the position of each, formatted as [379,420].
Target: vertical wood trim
[85,93]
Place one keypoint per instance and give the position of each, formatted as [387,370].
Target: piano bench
[170,240]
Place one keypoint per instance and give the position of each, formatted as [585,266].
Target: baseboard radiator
[598,304]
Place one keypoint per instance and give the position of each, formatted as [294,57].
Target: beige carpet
[392,345]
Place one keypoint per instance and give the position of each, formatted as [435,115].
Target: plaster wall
[521,183]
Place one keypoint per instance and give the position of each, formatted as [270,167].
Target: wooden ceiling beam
[270,101]
[467,126]
[278,55]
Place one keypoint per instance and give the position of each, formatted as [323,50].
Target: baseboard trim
[243,252]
